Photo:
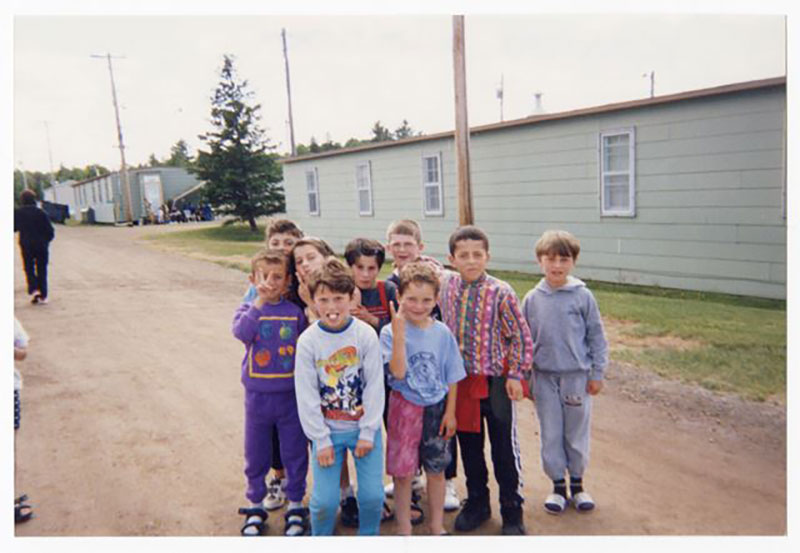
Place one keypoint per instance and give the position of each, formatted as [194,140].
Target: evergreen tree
[380,133]
[405,131]
[153,161]
[179,155]
[242,177]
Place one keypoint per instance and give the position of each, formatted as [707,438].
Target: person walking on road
[35,234]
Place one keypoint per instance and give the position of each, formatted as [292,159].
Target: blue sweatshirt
[566,329]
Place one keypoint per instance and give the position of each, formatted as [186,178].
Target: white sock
[252,531]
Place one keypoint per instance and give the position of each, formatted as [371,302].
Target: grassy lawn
[721,342]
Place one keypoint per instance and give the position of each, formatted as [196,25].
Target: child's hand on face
[593,387]
[325,456]
[362,313]
[514,389]
[362,448]
[302,289]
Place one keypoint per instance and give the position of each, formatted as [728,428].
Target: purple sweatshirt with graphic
[270,338]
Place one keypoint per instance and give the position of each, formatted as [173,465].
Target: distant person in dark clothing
[35,234]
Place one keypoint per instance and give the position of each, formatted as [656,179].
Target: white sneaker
[388,489]
[451,502]
[276,494]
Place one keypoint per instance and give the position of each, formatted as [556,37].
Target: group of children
[438,356]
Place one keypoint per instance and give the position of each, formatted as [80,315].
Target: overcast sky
[349,71]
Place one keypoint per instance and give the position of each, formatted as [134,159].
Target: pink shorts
[413,435]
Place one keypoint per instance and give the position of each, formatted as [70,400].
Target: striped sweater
[487,321]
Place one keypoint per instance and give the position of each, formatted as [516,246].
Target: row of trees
[379,134]
[237,163]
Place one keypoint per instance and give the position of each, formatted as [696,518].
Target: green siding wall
[709,194]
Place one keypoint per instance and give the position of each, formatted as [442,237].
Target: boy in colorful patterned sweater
[484,315]
[269,328]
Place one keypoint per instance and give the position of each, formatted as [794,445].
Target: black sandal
[415,507]
[297,518]
[22,512]
[349,512]
[387,514]
[255,517]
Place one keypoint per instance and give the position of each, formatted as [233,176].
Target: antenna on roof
[652,75]
[537,107]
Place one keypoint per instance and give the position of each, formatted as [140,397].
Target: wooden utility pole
[124,169]
[465,216]
[288,91]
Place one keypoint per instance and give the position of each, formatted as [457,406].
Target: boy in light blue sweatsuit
[569,359]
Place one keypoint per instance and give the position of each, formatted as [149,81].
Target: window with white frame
[364,188]
[312,190]
[432,184]
[617,173]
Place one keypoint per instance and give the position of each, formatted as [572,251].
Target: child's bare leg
[402,504]
[344,477]
[279,473]
[436,501]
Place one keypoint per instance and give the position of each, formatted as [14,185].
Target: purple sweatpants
[262,411]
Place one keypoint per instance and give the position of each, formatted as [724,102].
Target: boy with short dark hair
[340,396]
[484,315]
[365,258]
[269,327]
[570,357]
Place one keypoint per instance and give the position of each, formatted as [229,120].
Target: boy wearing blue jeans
[570,357]
[340,396]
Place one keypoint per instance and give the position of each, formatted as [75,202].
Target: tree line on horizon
[237,163]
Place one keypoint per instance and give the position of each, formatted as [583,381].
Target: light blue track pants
[325,493]
[564,410]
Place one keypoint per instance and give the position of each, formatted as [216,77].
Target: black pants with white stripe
[499,418]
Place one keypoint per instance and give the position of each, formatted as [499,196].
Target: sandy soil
[132,417]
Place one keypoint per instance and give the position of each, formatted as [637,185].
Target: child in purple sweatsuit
[269,328]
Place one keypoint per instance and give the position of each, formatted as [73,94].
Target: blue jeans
[325,493]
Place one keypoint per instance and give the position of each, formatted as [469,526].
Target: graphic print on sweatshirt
[342,385]
[272,355]
[423,375]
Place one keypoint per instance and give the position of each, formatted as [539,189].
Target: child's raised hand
[514,389]
[325,456]
[362,448]
[398,319]
[302,289]
[593,387]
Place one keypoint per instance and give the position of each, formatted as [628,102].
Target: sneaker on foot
[473,514]
[42,300]
[513,524]
[276,494]
[388,489]
[451,502]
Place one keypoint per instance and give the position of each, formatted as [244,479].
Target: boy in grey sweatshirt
[569,358]
[339,388]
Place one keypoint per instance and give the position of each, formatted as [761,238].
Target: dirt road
[132,417]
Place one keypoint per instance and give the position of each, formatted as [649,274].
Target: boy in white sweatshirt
[340,397]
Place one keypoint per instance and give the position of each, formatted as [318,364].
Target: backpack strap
[382,295]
